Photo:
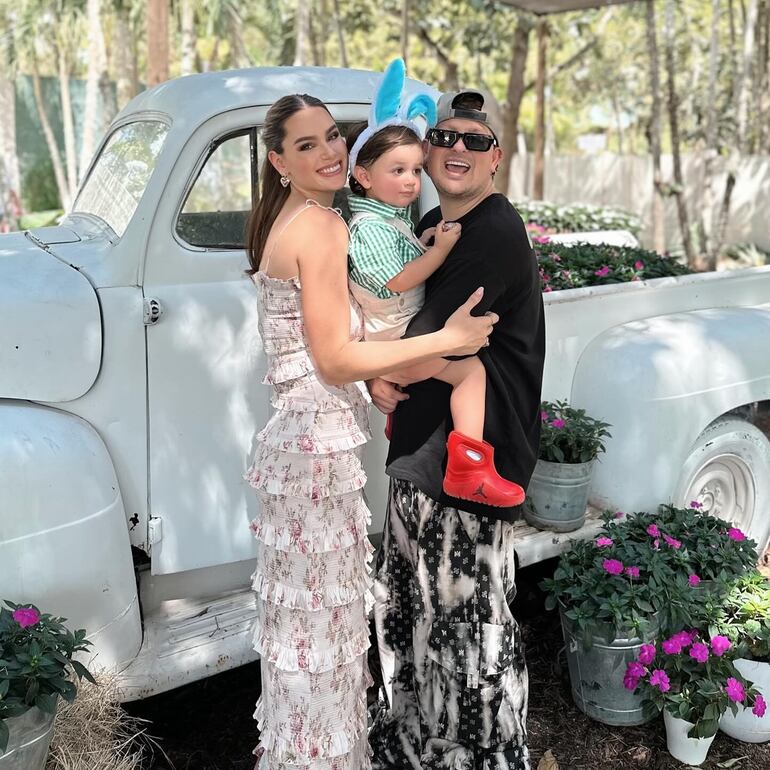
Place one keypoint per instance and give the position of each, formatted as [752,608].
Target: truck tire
[728,472]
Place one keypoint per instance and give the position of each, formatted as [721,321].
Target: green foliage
[39,186]
[36,663]
[569,435]
[585,264]
[666,548]
[578,217]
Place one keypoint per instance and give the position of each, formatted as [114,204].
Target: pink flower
[544,416]
[653,530]
[684,638]
[602,271]
[26,616]
[613,566]
[647,654]
[638,265]
[720,645]
[673,542]
[735,534]
[656,543]
[693,580]
[604,542]
[634,672]
[735,691]
[547,288]
[660,680]
[695,504]
[632,572]
[619,514]
[699,652]
[672,646]
[558,423]
[759,706]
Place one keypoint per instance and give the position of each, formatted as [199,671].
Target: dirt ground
[208,725]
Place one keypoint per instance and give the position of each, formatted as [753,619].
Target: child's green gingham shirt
[378,251]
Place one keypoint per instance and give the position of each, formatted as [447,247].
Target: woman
[312,575]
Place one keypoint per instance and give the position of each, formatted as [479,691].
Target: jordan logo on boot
[480,491]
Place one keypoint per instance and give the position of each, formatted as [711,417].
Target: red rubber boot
[471,474]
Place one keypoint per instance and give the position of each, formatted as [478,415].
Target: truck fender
[659,382]
[64,545]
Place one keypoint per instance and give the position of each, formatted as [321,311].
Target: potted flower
[742,615]
[690,677]
[36,667]
[611,592]
[570,441]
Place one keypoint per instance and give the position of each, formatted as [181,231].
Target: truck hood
[50,322]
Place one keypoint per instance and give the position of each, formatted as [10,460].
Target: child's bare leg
[468,379]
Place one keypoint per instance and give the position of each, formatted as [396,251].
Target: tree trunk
[70,150]
[744,89]
[323,31]
[239,55]
[516,69]
[405,30]
[187,43]
[542,76]
[302,33]
[673,118]
[8,153]
[97,67]
[123,48]
[451,79]
[157,42]
[340,35]
[706,209]
[658,210]
[50,140]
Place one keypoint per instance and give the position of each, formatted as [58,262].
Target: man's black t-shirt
[493,251]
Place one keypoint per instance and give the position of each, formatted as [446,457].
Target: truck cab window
[217,207]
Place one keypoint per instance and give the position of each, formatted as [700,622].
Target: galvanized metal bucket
[557,495]
[596,673]
[30,736]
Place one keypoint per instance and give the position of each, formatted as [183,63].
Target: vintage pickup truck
[130,370]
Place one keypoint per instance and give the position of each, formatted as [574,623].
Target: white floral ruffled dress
[313,567]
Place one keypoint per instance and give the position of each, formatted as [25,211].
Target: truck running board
[189,639]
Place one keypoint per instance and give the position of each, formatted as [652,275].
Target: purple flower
[673,542]
[544,416]
[684,638]
[720,645]
[735,534]
[695,504]
[613,566]
[660,680]
[632,572]
[26,616]
[735,691]
[602,271]
[699,652]
[672,646]
[646,654]
[558,423]
[634,672]
[693,580]
[759,706]
[603,542]
[653,530]
[638,265]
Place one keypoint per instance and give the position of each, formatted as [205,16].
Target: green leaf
[4,735]
[47,702]
[83,672]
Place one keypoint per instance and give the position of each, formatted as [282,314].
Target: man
[454,677]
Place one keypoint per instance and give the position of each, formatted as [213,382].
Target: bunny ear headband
[387,109]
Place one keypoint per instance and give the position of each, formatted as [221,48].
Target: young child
[388,267]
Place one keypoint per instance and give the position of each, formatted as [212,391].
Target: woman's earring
[285,181]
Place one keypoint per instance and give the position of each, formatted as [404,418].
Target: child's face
[394,178]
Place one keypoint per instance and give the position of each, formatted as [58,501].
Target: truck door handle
[153,310]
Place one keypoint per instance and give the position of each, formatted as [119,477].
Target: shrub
[578,217]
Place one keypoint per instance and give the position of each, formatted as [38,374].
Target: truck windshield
[121,173]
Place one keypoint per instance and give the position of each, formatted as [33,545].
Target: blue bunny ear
[388,97]
[422,104]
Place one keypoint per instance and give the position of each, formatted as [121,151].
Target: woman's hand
[466,333]
[385,395]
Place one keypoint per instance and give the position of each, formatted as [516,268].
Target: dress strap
[309,203]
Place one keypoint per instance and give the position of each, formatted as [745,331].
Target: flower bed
[584,264]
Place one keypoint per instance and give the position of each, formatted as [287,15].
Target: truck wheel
[728,472]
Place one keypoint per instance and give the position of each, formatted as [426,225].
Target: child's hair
[383,141]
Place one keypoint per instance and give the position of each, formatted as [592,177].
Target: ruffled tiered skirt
[313,573]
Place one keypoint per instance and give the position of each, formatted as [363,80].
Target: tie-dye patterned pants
[454,677]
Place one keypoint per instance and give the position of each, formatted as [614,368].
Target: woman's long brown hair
[273,194]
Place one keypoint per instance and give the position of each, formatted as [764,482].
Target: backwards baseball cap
[463,104]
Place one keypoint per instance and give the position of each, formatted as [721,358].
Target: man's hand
[385,395]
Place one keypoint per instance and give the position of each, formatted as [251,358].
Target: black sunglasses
[442,137]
